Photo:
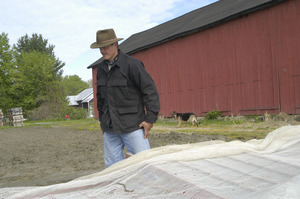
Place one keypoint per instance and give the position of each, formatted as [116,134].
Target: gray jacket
[123,93]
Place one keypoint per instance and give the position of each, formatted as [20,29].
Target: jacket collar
[105,63]
[119,62]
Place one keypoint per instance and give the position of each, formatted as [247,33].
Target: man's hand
[147,126]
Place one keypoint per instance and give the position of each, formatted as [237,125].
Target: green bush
[56,112]
[213,115]
[44,112]
[75,113]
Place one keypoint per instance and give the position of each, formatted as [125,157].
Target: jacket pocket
[120,82]
[120,90]
[101,88]
[129,118]
[128,110]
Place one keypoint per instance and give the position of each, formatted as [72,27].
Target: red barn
[239,57]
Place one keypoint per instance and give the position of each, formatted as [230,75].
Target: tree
[6,72]
[33,79]
[74,85]
[38,77]
[37,43]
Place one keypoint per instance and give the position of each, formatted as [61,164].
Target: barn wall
[94,73]
[246,66]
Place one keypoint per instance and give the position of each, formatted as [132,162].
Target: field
[44,153]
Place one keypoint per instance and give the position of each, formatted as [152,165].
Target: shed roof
[83,97]
[88,98]
[192,22]
[84,94]
[72,100]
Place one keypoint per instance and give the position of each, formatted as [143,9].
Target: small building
[85,99]
[239,57]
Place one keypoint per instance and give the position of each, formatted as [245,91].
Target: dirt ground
[38,156]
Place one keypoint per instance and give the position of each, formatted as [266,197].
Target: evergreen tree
[33,79]
[37,43]
[6,73]
[38,76]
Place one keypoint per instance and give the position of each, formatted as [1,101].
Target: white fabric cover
[268,168]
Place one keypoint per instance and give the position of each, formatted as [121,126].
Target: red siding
[246,66]
[94,73]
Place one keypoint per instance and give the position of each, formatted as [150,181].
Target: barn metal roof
[72,100]
[84,94]
[83,97]
[192,22]
[88,98]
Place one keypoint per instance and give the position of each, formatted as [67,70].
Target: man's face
[109,52]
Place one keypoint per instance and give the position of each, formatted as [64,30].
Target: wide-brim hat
[105,38]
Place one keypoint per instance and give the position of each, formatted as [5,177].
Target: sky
[71,25]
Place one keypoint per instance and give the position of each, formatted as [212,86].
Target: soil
[39,156]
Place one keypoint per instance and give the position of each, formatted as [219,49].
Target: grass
[83,124]
[232,130]
[242,128]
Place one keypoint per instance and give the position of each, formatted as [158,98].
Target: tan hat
[105,38]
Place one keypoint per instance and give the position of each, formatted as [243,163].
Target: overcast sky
[71,25]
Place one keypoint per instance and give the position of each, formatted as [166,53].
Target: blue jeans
[114,145]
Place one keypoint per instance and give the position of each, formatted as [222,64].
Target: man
[124,91]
